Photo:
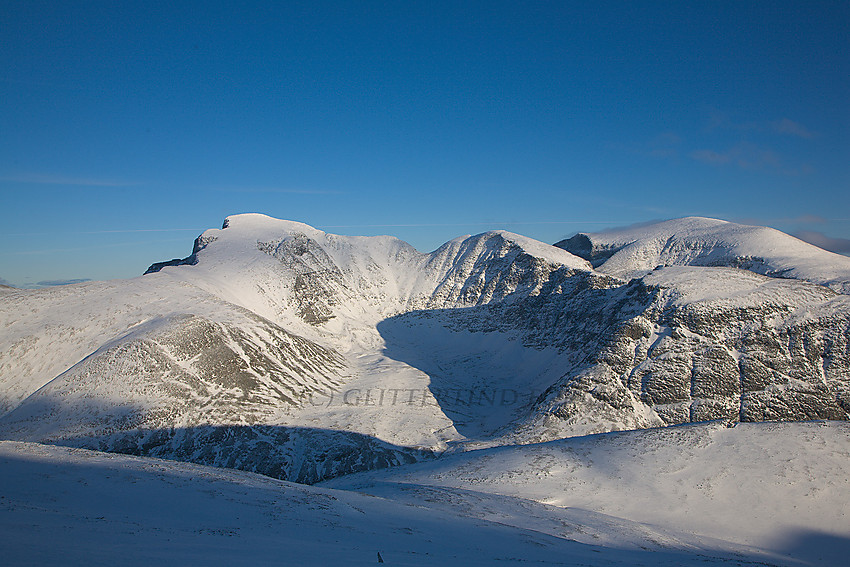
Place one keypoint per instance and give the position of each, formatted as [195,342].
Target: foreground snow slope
[781,487]
[77,507]
[696,241]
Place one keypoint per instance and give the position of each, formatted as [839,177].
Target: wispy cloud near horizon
[85,248]
[785,126]
[837,245]
[53,283]
[743,154]
[803,219]
[47,179]
[294,191]
[119,231]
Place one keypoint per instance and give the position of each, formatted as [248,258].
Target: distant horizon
[127,127]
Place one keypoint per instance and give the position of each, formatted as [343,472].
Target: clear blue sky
[127,128]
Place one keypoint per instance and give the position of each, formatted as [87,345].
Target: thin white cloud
[787,126]
[710,156]
[135,230]
[810,219]
[800,219]
[124,231]
[743,154]
[296,191]
[667,138]
[664,145]
[84,248]
[52,283]
[45,179]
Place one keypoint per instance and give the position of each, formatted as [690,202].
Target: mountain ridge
[698,241]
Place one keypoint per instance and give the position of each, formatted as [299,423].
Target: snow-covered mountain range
[273,336]
[465,378]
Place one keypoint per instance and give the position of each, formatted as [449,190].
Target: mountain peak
[259,221]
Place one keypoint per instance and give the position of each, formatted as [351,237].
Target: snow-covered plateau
[475,390]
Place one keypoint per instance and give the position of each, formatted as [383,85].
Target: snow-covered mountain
[696,241]
[278,348]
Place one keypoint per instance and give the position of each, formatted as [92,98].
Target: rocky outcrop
[190,260]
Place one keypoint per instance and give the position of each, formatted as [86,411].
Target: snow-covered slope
[697,241]
[76,507]
[779,487]
[47,331]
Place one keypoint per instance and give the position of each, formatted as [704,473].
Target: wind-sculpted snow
[183,371]
[47,331]
[316,277]
[275,344]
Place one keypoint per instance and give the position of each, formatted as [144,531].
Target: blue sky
[127,128]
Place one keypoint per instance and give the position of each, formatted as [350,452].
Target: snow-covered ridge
[281,349]
[696,241]
[276,267]
[245,230]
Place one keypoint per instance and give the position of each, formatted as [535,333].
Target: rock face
[696,359]
[491,339]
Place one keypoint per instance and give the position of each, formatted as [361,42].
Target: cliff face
[775,350]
